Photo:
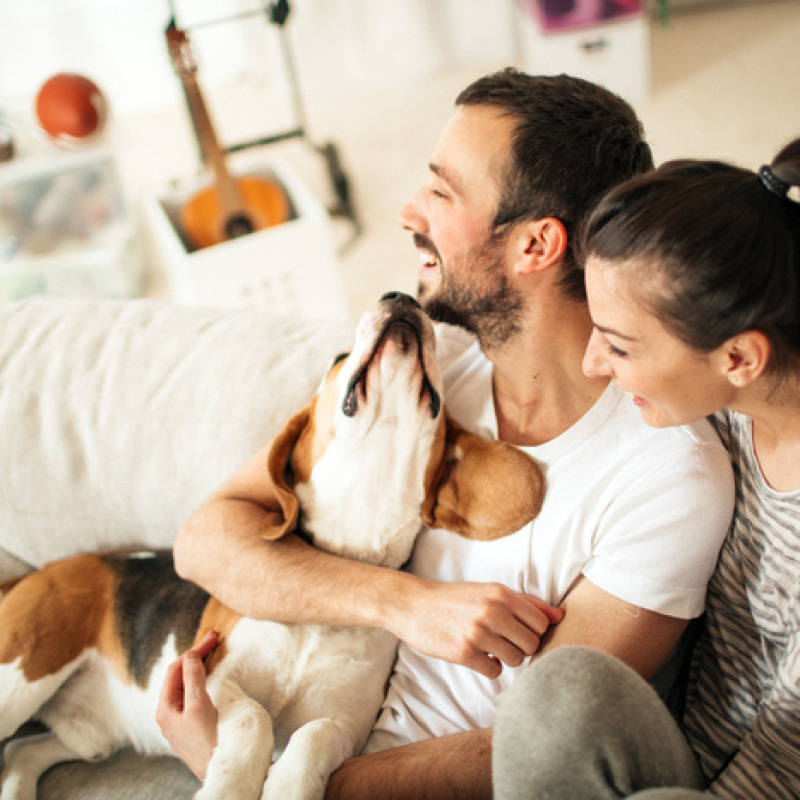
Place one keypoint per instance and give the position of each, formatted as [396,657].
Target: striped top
[743,706]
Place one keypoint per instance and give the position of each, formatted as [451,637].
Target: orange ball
[71,107]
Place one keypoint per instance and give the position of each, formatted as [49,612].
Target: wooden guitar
[231,206]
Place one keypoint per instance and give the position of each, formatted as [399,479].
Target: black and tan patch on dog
[151,602]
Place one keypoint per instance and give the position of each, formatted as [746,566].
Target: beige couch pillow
[117,418]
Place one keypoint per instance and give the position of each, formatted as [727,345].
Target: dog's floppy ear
[281,467]
[482,489]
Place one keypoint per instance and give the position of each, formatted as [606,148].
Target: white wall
[336,43]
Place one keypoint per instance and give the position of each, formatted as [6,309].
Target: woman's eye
[615,351]
[340,357]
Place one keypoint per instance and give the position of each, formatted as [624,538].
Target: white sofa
[117,418]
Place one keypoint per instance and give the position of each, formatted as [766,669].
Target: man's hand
[479,625]
[185,713]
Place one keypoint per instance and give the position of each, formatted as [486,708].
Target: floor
[725,83]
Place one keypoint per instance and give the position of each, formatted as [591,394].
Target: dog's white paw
[18,787]
[314,751]
[16,783]
[240,761]
[25,760]
[289,785]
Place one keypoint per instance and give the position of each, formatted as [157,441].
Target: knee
[562,695]
[578,723]
[547,724]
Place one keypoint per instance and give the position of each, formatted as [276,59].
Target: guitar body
[206,221]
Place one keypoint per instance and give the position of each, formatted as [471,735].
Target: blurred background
[355,93]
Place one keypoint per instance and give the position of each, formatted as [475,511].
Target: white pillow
[118,418]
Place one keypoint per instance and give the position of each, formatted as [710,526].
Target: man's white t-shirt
[641,512]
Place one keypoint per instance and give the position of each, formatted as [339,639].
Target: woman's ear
[541,243]
[746,357]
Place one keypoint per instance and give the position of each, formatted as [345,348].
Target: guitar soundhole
[238,225]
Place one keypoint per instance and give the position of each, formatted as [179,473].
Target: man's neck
[539,387]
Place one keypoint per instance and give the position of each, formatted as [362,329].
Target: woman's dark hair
[573,140]
[715,248]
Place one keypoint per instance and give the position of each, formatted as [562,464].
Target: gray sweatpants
[580,725]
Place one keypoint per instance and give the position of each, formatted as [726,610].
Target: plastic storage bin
[64,228]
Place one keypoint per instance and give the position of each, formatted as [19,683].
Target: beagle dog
[85,642]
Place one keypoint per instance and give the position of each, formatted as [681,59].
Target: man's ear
[283,463]
[483,489]
[540,244]
[745,357]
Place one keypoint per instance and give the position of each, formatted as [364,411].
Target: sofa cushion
[118,418]
[125,775]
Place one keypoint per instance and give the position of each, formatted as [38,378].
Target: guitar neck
[229,195]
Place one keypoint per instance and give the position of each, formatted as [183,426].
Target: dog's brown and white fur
[85,642]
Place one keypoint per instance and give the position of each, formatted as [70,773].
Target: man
[633,518]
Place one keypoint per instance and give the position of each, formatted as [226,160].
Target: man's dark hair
[573,140]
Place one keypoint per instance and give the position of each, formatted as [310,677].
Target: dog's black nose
[400,297]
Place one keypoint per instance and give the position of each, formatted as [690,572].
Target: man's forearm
[456,766]
[222,548]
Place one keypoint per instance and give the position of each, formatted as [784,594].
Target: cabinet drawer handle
[595,45]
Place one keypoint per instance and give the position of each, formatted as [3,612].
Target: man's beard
[492,311]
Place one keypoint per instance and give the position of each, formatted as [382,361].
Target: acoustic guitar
[230,206]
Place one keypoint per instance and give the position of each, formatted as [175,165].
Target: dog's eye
[340,357]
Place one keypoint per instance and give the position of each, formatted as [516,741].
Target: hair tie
[773,183]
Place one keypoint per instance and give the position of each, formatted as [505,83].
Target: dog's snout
[400,297]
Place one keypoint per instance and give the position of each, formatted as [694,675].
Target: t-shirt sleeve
[658,541]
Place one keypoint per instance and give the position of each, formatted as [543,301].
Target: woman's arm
[185,713]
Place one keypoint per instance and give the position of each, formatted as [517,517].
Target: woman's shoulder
[733,430]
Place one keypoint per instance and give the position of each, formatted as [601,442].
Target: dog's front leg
[26,759]
[241,759]
[314,751]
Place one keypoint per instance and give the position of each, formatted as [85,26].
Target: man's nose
[595,362]
[411,217]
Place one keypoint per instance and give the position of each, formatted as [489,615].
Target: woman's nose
[595,362]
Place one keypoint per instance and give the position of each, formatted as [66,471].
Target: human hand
[185,713]
[479,625]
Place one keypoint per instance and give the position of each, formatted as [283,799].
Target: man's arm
[222,548]
[457,766]
[461,765]
[640,638]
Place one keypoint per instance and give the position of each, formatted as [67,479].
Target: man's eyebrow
[446,175]
[619,335]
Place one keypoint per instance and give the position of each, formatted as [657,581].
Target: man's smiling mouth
[427,252]
[428,259]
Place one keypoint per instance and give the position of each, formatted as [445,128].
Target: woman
[693,279]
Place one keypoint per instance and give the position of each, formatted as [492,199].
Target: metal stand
[277,14]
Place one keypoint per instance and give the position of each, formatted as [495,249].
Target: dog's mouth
[404,328]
